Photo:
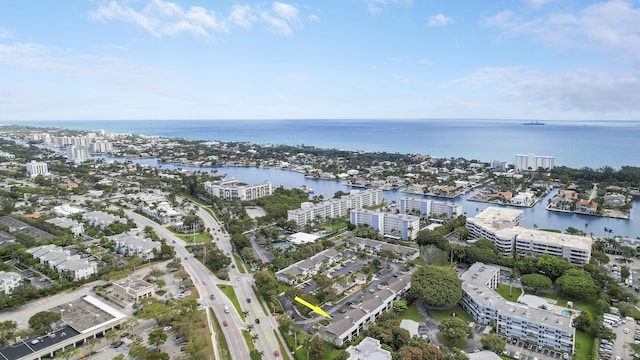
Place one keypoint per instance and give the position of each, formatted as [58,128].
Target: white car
[626,331]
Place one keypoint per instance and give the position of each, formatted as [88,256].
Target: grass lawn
[584,346]
[420,261]
[230,292]
[284,354]
[240,264]
[503,290]
[203,237]
[440,315]
[412,314]
[247,338]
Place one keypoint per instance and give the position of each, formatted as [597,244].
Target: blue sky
[339,59]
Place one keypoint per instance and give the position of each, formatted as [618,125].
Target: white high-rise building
[401,226]
[35,168]
[545,328]
[78,154]
[429,208]
[229,189]
[334,208]
[531,162]
[502,227]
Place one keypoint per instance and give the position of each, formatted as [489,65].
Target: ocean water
[574,144]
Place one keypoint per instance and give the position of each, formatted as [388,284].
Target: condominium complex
[334,208]
[62,261]
[130,244]
[531,162]
[78,154]
[401,226]
[502,227]
[429,208]
[35,168]
[229,189]
[547,328]
[349,325]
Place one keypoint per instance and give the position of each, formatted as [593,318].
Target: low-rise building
[62,261]
[101,219]
[349,325]
[9,281]
[129,244]
[133,289]
[307,267]
[407,253]
[368,349]
[533,325]
[76,228]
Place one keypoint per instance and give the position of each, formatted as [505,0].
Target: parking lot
[519,349]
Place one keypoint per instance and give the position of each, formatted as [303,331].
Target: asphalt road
[205,282]
[243,285]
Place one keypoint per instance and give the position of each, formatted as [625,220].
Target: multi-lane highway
[206,283]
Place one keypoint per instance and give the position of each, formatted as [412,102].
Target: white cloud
[489,75]
[584,90]
[5,34]
[313,18]
[536,4]
[375,7]
[285,11]
[600,27]
[439,20]
[164,18]
[242,15]
[275,25]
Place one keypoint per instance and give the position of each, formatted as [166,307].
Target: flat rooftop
[547,237]
[133,284]
[474,283]
[78,317]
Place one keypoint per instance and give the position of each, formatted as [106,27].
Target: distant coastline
[483,140]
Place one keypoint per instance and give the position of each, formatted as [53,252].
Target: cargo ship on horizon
[533,123]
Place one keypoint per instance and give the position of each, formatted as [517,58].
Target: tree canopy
[436,286]
[536,282]
[577,283]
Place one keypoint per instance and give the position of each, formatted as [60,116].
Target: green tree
[157,356]
[436,286]
[577,284]
[536,282]
[43,320]
[455,331]
[493,342]
[91,343]
[455,354]
[399,306]
[157,337]
[7,331]
[138,352]
[584,321]
[553,266]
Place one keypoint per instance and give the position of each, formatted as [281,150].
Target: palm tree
[250,327]
[91,343]
[67,353]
